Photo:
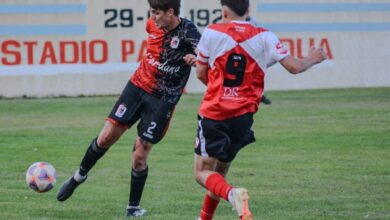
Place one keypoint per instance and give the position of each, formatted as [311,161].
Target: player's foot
[135,211]
[240,202]
[265,100]
[67,188]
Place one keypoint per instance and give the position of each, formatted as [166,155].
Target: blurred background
[80,47]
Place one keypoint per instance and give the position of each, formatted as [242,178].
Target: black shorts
[154,113]
[223,139]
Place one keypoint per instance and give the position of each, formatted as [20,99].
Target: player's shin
[210,204]
[217,184]
[92,155]
[138,180]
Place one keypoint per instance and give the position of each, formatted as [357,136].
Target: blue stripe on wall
[327,27]
[43,30]
[43,9]
[322,7]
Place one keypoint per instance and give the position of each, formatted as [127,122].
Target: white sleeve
[203,47]
[274,49]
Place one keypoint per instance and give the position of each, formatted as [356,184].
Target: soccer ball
[41,177]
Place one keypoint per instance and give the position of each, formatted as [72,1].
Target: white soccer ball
[41,177]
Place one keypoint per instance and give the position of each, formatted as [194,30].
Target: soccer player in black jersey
[150,96]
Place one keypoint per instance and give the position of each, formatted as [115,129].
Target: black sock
[93,154]
[138,179]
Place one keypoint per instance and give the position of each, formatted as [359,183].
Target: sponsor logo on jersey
[230,92]
[175,42]
[163,67]
[121,110]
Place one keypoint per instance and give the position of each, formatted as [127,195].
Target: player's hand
[190,59]
[317,54]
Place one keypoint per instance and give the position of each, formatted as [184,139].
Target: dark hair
[165,5]
[240,7]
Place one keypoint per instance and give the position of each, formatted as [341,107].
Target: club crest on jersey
[175,42]
[120,111]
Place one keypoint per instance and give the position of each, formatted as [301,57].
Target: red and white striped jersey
[237,55]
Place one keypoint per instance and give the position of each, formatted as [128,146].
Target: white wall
[62,47]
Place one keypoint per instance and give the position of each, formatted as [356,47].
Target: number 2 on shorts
[151,127]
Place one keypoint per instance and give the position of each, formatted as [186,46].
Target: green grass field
[320,154]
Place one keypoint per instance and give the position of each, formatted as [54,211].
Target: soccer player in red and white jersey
[232,60]
[150,97]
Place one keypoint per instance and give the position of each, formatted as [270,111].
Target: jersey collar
[239,22]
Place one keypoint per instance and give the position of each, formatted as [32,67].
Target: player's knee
[139,156]
[198,176]
[139,161]
[110,134]
[104,141]
[142,145]
[140,153]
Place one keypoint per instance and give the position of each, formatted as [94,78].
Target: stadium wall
[85,47]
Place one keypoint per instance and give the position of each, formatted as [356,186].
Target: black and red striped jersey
[162,71]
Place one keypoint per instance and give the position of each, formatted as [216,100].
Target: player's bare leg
[140,154]
[107,137]
[206,175]
[139,175]
[109,134]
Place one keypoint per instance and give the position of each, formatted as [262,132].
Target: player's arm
[202,62]
[192,38]
[201,72]
[295,66]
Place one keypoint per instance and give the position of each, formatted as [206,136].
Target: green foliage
[320,154]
